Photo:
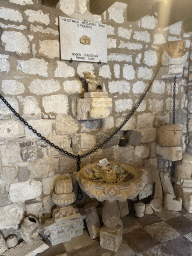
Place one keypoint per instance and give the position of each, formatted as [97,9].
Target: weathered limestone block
[21,2]
[22,191]
[10,14]
[169,153]
[145,120]
[64,231]
[92,221]
[12,241]
[41,87]
[105,71]
[87,141]
[169,135]
[166,183]
[150,57]
[124,208]
[34,209]
[148,135]
[186,195]
[158,187]
[49,48]
[119,86]
[10,154]
[141,152]
[111,43]
[37,16]
[169,72]
[133,138]
[15,42]
[3,245]
[185,169]
[63,70]
[10,129]
[12,87]
[29,229]
[156,205]
[123,105]
[48,184]
[111,239]
[4,63]
[30,106]
[42,126]
[8,175]
[63,199]
[93,108]
[11,215]
[33,66]
[32,249]
[117,12]
[171,203]
[65,124]
[144,72]
[123,32]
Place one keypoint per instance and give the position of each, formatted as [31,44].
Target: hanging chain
[79,157]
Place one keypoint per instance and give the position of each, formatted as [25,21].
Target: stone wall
[44,90]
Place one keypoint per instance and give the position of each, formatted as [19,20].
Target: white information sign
[83,40]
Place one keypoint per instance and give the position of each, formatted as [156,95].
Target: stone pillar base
[111,239]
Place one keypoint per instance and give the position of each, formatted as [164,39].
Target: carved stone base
[111,239]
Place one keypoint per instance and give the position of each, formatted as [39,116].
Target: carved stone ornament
[63,199]
[63,186]
[85,40]
[109,191]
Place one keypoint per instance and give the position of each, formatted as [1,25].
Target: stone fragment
[120,57]
[92,221]
[12,241]
[166,183]
[3,245]
[33,66]
[11,215]
[172,204]
[169,153]
[124,209]
[148,135]
[64,231]
[12,87]
[22,191]
[65,124]
[169,135]
[148,209]
[15,42]
[32,249]
[37,16]
[29,229]
[168,60]
[169,72]
[21,2]
[156,205]
[67,6]
[64,199]
[10,14]
[49,48]
[34,209]
[41,87]
[55,104]
[111,239]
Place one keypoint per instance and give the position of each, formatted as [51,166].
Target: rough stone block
[64,231]
[15,42]
[11,215]
[148,135]
[37,16]
[47,204]
[55,104]
[74,86]
[65,124]
[4,63]
[169,153]
[23,174]
[8,174]
[31,249]
[22,191]
[41,87]
[10,14]
[42,126]
[34,208]
[4,196]
[3,245]
[123,105]
[63,70]
[33,66]
[171,203]
[119,87]
[92,221]
[145,120]
[12,87]
[48,184]
[87,141]
[141,152]
[117,12]
[111,239]
[49,48]
[144,72]
[10,154]
[31,153]
[130,125]
[10,129]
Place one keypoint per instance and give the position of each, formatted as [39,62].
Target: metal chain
[79,157]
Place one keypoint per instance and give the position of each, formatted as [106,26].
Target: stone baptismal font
[111,182]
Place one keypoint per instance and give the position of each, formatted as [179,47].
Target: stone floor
[160,234]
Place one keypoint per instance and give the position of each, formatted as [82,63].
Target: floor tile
[183,211]
[162,231]
[139,240]
[53,250]
[90,250]
[78,242]
[157,250]
[188,215]
[166,215]
[189,237]
[179,246]
[181,224]
[129,223]
[124,250]
[148,219]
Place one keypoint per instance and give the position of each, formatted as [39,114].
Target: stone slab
[32,249]
[166,183]
[169,153]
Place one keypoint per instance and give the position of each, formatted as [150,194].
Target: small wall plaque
[82,40]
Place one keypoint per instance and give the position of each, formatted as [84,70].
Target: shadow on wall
[51,3]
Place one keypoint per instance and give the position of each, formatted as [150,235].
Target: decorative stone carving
[139,209]
[169,153]
[12,241]
[85,40]
[3,245]
[92,221]
[29,229]
[63,195]
[64,186]
[65,213]
[169,135]
[111,192]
